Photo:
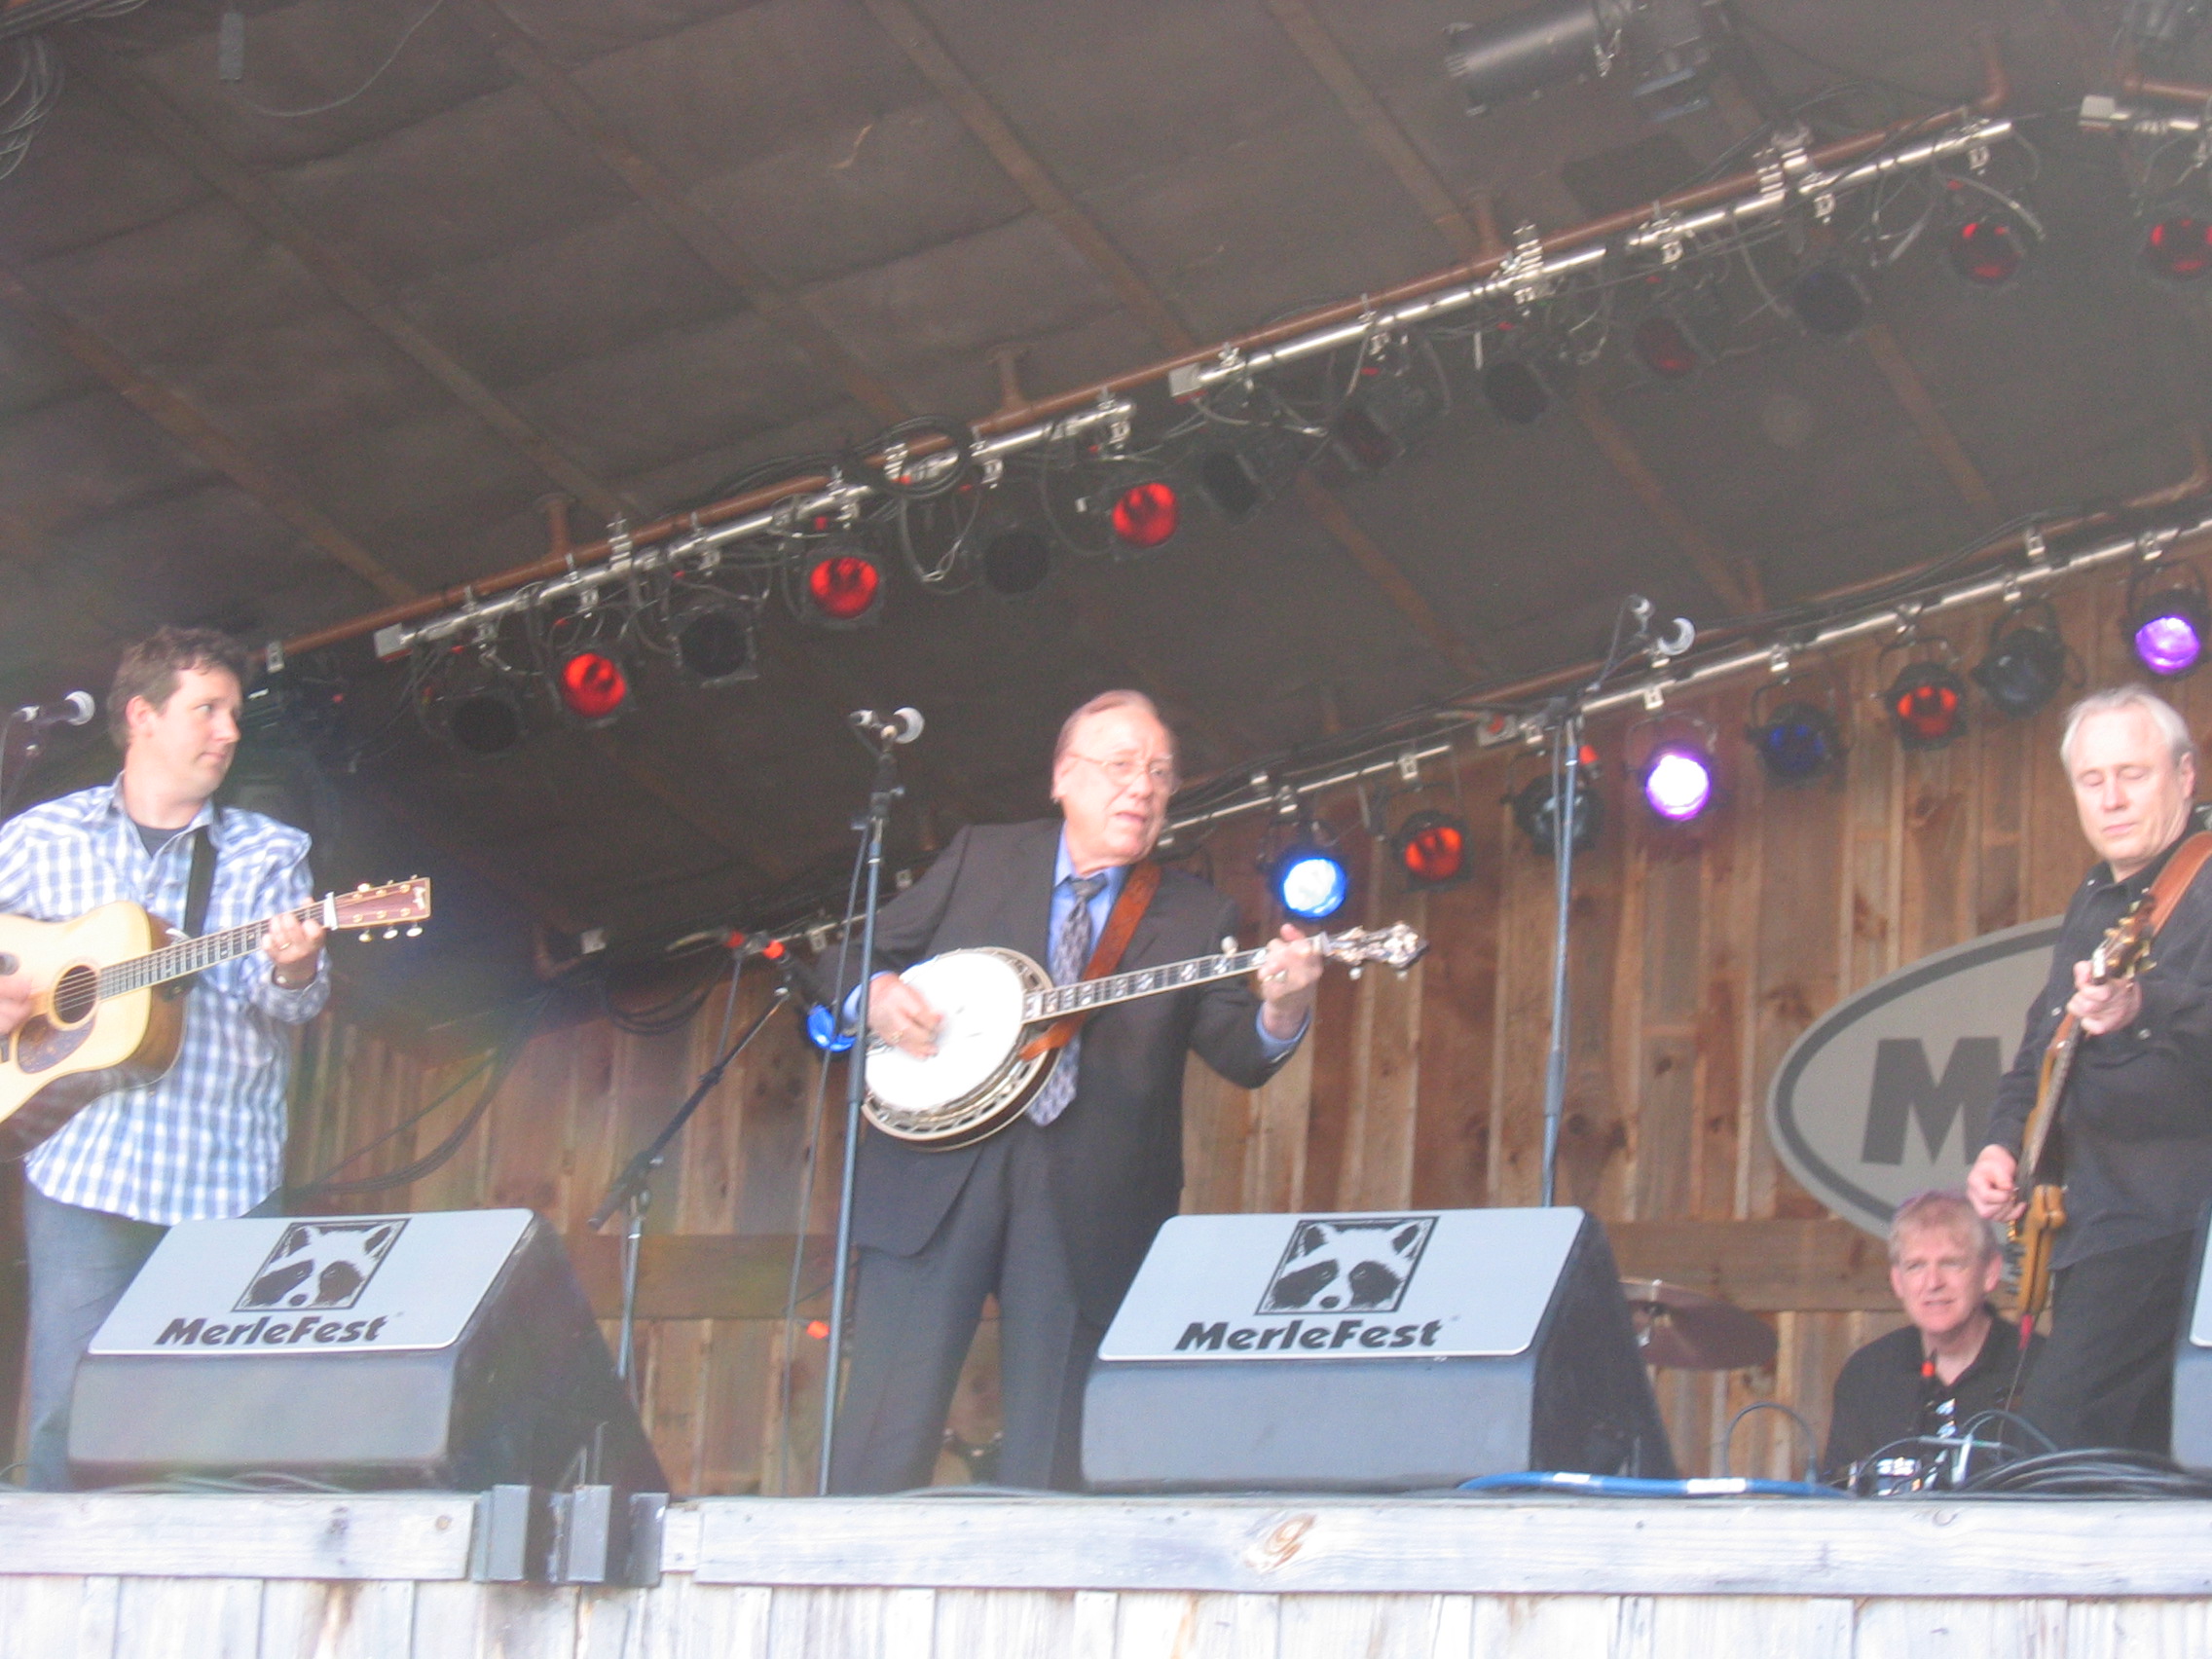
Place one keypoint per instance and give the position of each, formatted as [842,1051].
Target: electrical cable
[375,75]
[1812,1441]
[1637,1486]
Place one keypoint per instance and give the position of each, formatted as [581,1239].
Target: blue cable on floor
[1635,1486]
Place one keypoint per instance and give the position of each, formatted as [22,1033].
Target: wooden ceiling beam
[507,31]
[153,113]
[906,25]
[1473,238]
[1911,393]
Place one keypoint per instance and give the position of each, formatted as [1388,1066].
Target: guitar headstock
[2124,952]
[1397,946]
[392,907]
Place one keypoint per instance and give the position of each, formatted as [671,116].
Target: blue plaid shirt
[207,1140]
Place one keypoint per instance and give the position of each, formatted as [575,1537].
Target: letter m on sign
[1905,1086]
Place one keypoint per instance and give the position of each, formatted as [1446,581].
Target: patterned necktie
[1071,954]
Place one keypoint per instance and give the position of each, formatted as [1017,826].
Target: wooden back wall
[1699,954]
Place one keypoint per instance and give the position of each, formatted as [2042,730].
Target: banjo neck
[1087,994]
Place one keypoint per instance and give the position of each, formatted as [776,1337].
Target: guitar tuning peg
[363,888]
[366,936]
[415,932]
[1228,944]
[1357,968]
[392,933]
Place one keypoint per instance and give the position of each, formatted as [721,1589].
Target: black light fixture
[1796,743]
[1664,346]
[475,701]
[1559,41]
[2026,661]
[2168,619]
[1928,705]
[1829,299]
[1535,811]
[840,586]
[1431,848]
[1514,390]
[714,643]
[2174,236]
[1016,560]
[592,684]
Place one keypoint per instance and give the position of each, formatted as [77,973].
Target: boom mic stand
[882,739]
[1564,717]
[629,1189]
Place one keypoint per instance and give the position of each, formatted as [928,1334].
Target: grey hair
[2133,695]
[1945,1207]
[1101,704]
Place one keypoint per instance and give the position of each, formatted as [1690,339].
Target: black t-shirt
[1882,1395]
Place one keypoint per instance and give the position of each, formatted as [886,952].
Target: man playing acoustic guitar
[2134,1132]
[207,1139]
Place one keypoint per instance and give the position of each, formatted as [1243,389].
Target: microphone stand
[630,1190]
[883,795]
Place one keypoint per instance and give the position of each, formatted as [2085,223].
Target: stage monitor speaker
[2193,1364]
[1370,1352]
[451,1350]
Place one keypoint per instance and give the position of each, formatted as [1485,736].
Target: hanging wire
[375,75]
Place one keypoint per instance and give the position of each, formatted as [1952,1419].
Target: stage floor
[385,1577]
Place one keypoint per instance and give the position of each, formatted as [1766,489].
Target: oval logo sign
[1889,1093]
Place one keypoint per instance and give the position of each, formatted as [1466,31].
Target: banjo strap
[1128,910]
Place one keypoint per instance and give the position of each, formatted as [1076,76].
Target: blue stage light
[1311,883]
[822,1030]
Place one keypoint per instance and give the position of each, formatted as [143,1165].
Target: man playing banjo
[1054,1214]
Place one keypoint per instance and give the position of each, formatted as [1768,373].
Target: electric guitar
[106,1019]
[2122,955]
[997,1008]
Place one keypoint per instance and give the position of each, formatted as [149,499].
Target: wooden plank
[188,1618]
[1326,1627]
[1763,1266]
[1696,1627]
[974,1623]
[346,1619]
[1957,1629]
[418,1535]
[493,1621]
[701,1275]
[56,1617]
[1452,1128]
[2138,1630]
[1571,1547]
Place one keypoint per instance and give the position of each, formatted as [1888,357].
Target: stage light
[714,644]
[1534,811]
[592,684]
[1310,882]
[1146,515]
[1230,483]
[1016,561]
[1566,40]
[1431,848]
[1927,704]
[1678,780]
[843,586]
[1515,391]
[2167,627]
[2025,664]
[2177,240]
[1797,741]
[1989,250]
[1665,347]
[484,720]
[1827,299]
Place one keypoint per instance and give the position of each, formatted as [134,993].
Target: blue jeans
[82,1261]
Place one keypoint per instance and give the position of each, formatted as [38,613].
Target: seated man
[1957,1359]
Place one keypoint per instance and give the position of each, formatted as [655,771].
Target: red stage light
[817,1329]
[844,588]
[1146,515]
[1431,848]
[1987,252]
[2178,246]
[1666,350]
[593,686]
[1928,703]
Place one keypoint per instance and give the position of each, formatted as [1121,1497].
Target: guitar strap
[199,888]
[2173,881]
[1121,925]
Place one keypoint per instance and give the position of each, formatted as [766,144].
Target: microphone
[74,710]
[899,725]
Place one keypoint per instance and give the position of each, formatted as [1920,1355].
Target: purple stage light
[2169,646]
[1678,782]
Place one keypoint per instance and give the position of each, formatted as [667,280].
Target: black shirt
[1883,1396]
[2136,1128]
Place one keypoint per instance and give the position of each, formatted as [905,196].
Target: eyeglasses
[1123,773]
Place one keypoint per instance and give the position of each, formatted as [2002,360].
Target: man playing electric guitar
[2135,1129]
[207,1139]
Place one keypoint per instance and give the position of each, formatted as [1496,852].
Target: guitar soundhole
[75,993]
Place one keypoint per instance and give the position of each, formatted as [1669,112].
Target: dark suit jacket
[1116,1154]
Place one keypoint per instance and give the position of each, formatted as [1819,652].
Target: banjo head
[980,995]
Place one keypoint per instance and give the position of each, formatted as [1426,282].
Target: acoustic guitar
[996,1008]
[110,1017]
[2122,955]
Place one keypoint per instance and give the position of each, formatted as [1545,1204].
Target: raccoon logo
[1348,1266]
[320,1264]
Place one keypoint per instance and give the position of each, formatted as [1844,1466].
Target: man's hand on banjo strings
[1287,976]
[901,1015]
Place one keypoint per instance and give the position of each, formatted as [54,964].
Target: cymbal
[1688,1331]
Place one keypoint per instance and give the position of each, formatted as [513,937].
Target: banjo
[998,1006]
